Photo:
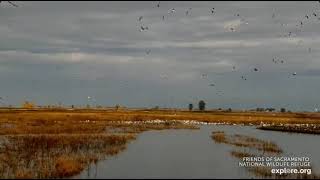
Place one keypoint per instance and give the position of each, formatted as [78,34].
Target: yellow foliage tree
[28,105]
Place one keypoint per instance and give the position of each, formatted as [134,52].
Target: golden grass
[65,122]
[66,167]
[241,155]
[55,119]
[219,137]
[57,155]
[61,144]
[315,129]
[246,141]
[263,147]
[23,174]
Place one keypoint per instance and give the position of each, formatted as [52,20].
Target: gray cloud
[54,52]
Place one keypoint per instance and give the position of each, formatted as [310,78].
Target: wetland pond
[193,154]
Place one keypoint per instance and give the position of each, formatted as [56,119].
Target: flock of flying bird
[275,60]
[212,11]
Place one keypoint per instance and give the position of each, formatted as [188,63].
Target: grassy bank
[244,141]
[37,144]
[35,117]
[307,129]
[247,147]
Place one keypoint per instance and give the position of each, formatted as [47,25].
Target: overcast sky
[53,52]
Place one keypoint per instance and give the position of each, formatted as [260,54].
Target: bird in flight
[242,77]
[143,28]
[212,11]
[204,75]
[187,12]
[140,18]
[172,10]
[244,21]
[13,4]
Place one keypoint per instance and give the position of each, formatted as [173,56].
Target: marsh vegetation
[247,146]
[294,128]
[58,145]
[62,143]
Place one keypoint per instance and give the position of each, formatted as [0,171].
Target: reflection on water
[193,154]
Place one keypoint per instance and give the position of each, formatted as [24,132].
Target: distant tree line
[266,109]
[270,109]
[202,107]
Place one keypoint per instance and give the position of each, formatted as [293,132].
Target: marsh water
[193,154]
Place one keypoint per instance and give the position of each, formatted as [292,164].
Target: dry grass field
[51,144]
